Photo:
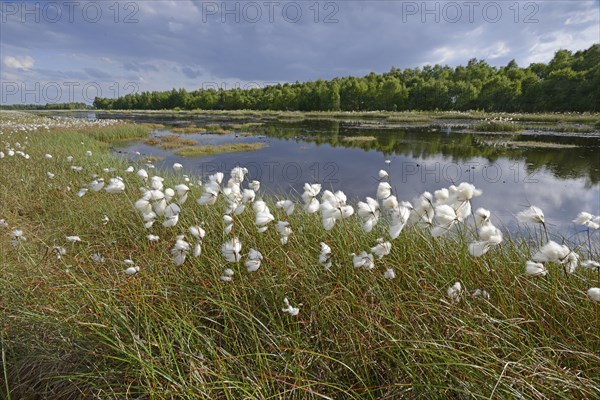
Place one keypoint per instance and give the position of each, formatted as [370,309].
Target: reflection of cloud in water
[285,165]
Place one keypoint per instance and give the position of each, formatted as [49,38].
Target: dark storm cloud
[164,44]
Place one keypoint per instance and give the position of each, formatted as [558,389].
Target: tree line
[569,82]
[48,106]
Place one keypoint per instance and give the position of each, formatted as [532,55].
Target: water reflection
[560,174]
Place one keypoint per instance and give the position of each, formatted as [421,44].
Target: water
[559,173]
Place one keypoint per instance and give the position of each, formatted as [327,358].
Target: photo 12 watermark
[62,92]
[270,11]
[126,12]
[469,11]
[452,173]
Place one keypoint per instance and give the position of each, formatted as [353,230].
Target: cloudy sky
[75,50]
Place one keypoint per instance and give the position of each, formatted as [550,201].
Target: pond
[560,173]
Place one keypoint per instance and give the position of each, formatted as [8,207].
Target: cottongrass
[448,324]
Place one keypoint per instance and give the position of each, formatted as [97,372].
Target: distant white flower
[50,175]
[132,270]
[389,274]
[143,174]
[490,236]
[286,205]
[535,269]
[590,264]
[231,250]
[532,215]
[482,217]
[383,174]
[152,238]
[129,169]
[73,239]
[554,252]
[97,258]
[325,256]
[105,220]
[88,153]
[59,251]
[177,167]
[182,192]
[254,185]
[82,192]
[454,292]
[382,248]
[481,293]
[3,223]
[97,184]
[69,159]
[363,260]
[197,232]
[180,250]
[210,194]
[466,191]
[369,212]
[262,214]
[253,260]
[227,275]
[588,220]
[444,219]
[309,197]
[388,162]
[333,208]
[594,293]
[293,311]
[115,186]
[284,230]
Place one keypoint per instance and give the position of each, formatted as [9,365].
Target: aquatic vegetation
[199,151]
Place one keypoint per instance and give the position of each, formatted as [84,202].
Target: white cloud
[25,62]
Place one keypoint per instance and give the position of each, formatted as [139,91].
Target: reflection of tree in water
[573,162]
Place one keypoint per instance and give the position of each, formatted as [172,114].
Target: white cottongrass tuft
[531,215]
[481,293]
[369,213]
[253,260]
[363,260]
[389,274]
[490,236]
[286,205]
[231,250]
[325,256]
[284,230]
[454,292]
[382,248]
[227,275]
[309,197]
[293,311]
[535,269]
[180,251]
[594,294]
[73,239]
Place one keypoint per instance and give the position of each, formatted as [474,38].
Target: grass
[170,142]
[72,328]
[188,129]
[199,151]
[359,138]
[497,125]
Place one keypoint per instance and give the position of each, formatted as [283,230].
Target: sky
[62,51]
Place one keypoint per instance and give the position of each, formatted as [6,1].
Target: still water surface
[560,173]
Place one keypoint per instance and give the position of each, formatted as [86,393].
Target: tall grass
[73,328]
